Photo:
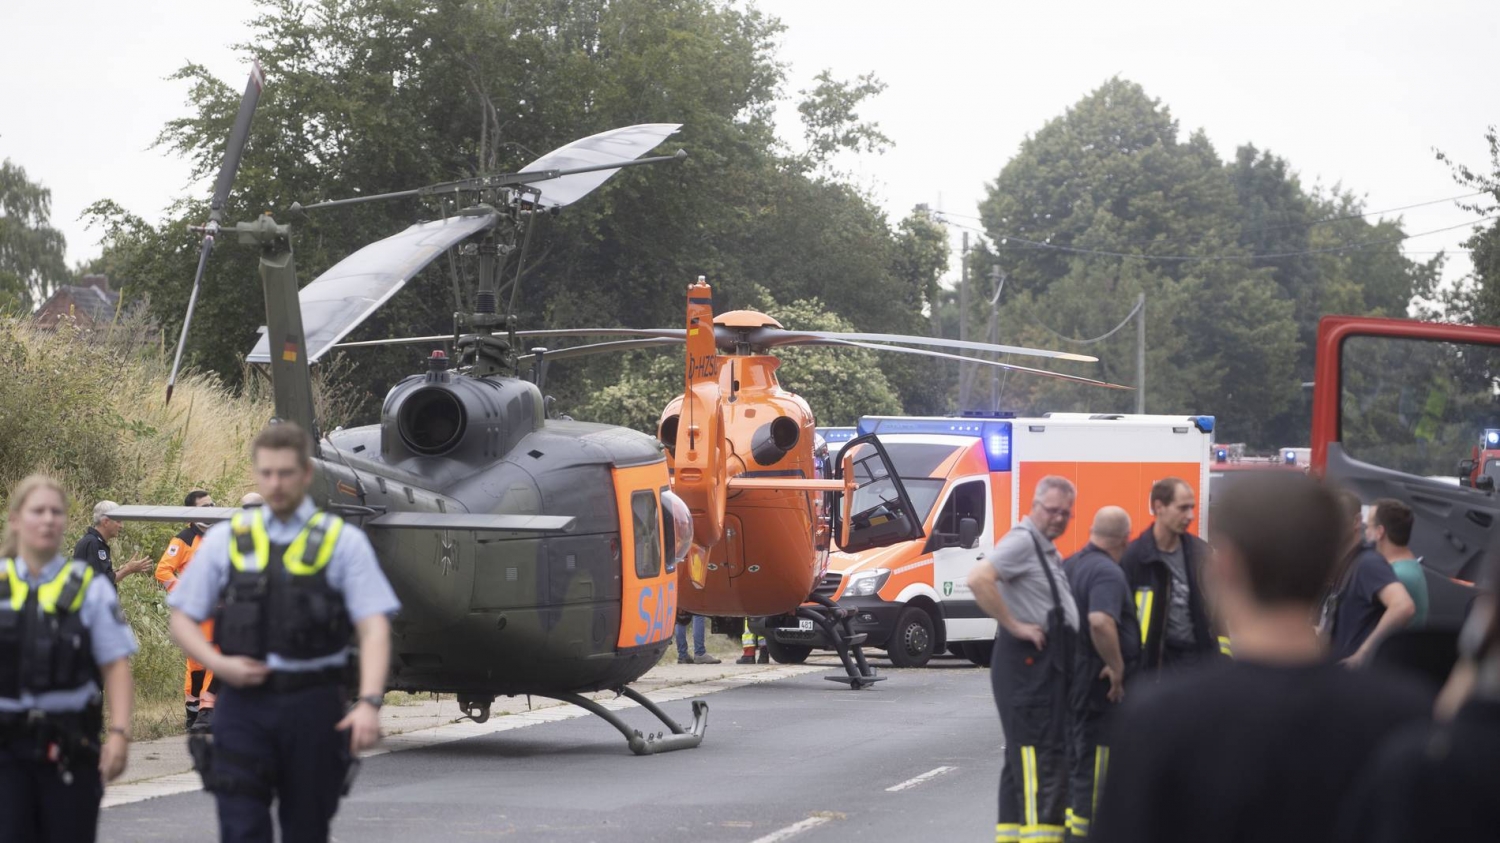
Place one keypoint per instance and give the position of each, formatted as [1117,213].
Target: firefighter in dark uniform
[1107,657]
[1021,584]
[62,637]
[291,585]
[1165,568]
[93,546]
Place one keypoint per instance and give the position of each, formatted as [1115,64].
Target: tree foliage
[1109,201]
[32,262]
[367,96]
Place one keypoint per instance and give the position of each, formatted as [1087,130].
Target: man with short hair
[1265,746]
[1367,604]
[1106,656]
[1022,586]
[199,690]
[1164,566]
[93,546]
[1389,529]
[282,730]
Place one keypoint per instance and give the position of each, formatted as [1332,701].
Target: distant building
[86,304]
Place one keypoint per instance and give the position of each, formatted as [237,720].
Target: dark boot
[765,654]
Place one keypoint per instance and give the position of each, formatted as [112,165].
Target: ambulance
[970,479]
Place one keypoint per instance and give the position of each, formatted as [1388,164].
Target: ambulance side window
[966,501]
[647,534]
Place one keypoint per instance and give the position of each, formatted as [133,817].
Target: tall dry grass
[90,409]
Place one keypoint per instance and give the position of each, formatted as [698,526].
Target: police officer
[1022,586]
[61,635]
[93,546]
[199,687]
[291,584]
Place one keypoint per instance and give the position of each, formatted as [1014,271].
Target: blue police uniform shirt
[110,639]
[352,570]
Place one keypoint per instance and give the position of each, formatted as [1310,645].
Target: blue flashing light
[1221,455]
[1289,456]
[832,435]
[1204,423]
[996,434]
[1492,438]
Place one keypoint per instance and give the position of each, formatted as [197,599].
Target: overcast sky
[1358,93]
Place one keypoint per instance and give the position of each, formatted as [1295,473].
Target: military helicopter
[532,555]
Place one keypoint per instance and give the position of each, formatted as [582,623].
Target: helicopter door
[880,512]
[1397,405]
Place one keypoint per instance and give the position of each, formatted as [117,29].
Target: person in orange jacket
[198,684]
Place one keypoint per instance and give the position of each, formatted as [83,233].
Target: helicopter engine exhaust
[668,432]
[432,421]
[774,438]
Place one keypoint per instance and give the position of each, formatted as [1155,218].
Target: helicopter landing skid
[647,743]
[833,619]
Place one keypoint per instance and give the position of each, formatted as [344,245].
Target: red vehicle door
[1397,406]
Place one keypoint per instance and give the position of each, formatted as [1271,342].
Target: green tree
[1113,176]
[368,96]
[1476,301]
[32,261]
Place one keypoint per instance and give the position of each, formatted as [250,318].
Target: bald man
[252,500]
[1103,660]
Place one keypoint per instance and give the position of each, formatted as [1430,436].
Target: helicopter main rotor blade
[342,298]
[233,151]
[599,348]
[660,333]
[1007,366]
[586,154]
[771,337]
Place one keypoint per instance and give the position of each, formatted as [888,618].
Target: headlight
[866,583]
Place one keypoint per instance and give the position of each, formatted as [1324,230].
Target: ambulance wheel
[788,653]
[912,643]
[978,652]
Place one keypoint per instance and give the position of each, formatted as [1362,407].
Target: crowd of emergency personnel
[1153,688]
[1162,689]
[280,590]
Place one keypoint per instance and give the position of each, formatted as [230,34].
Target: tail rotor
[232,154]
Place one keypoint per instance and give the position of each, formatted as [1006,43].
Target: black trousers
[1088,738]
[1031,692]
[299,758]
[37,807]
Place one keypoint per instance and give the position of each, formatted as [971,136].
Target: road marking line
[171,785]
[792,830]
[916,780]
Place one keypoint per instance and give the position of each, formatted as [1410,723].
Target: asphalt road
[916,758]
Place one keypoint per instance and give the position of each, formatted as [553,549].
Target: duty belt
[289,681]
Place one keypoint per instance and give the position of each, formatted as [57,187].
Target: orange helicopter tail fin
[702,351]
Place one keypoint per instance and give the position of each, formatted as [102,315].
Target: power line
[1280,227]
[1102,337]
[1035,244]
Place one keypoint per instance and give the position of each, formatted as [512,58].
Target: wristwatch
[375,700]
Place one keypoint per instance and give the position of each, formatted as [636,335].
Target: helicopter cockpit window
[647,534]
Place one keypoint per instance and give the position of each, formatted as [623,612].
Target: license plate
[805,625]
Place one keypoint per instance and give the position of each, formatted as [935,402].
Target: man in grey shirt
[1022,586]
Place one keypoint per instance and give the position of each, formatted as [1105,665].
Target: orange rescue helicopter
[741,451]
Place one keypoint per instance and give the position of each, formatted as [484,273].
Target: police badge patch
[103,555]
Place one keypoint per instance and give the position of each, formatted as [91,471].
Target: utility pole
[963,321]
[1140,354]
[993,335]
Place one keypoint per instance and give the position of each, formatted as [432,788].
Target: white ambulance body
[971,479]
